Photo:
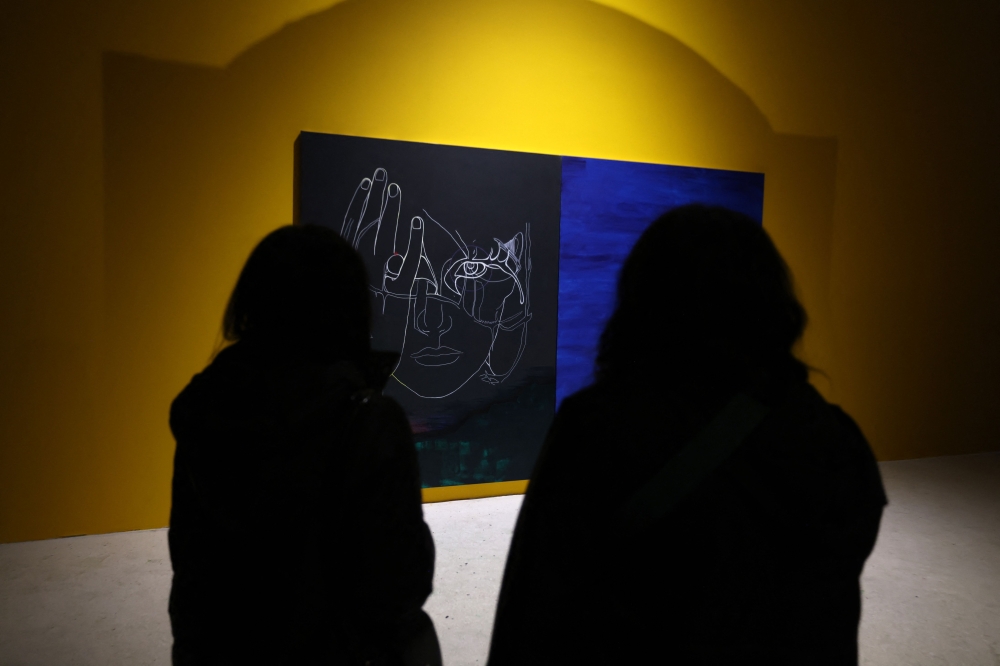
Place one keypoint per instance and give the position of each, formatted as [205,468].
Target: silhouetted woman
[296,530]
[700,503]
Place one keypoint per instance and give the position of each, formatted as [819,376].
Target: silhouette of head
[705,299]
[303,288]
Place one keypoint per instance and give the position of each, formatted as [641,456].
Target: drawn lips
[434,356]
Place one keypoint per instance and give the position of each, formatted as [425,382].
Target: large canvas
[462,251]
[492,273]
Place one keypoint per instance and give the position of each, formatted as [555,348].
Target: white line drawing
[453,309]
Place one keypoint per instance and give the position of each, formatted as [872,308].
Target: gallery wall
[145,149]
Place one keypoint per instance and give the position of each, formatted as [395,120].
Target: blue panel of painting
[606,205]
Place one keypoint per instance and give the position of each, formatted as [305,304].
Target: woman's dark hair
[703,298]
[303,288]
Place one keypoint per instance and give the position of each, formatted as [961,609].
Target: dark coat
[759,564]
[296,529]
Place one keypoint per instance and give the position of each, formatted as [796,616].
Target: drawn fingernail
[365,184]
[379,174]
[393,190]
[416,223]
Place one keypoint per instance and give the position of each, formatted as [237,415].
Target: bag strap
[696,460]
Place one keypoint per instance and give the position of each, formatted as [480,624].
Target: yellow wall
[147,146]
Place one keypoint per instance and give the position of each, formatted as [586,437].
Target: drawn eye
[472,270]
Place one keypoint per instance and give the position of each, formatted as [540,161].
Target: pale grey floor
[932,586]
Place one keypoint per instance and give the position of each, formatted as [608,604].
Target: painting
[492,274]
[462,251]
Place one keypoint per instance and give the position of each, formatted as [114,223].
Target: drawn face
[455,311]
[444,346]
[459,308]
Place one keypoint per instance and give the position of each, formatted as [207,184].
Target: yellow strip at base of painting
[473,491]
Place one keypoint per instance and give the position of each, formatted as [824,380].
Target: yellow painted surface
[474,491]
[145,148]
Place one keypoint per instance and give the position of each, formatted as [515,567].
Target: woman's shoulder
[806,412]
[591,403]
[817,443]
[380,412]
[221,395]
[581,419]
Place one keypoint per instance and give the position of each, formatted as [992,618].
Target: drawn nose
[434,317]
[430,317]
[427,310]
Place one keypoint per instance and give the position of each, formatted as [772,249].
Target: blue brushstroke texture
[606,205]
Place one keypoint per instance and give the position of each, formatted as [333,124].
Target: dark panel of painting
[462,251]
[606,205]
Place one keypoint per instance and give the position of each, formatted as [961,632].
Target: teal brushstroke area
[497,443]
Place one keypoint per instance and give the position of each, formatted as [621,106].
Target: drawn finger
[373,210]
[402,279]
[385,243]
[355,210]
